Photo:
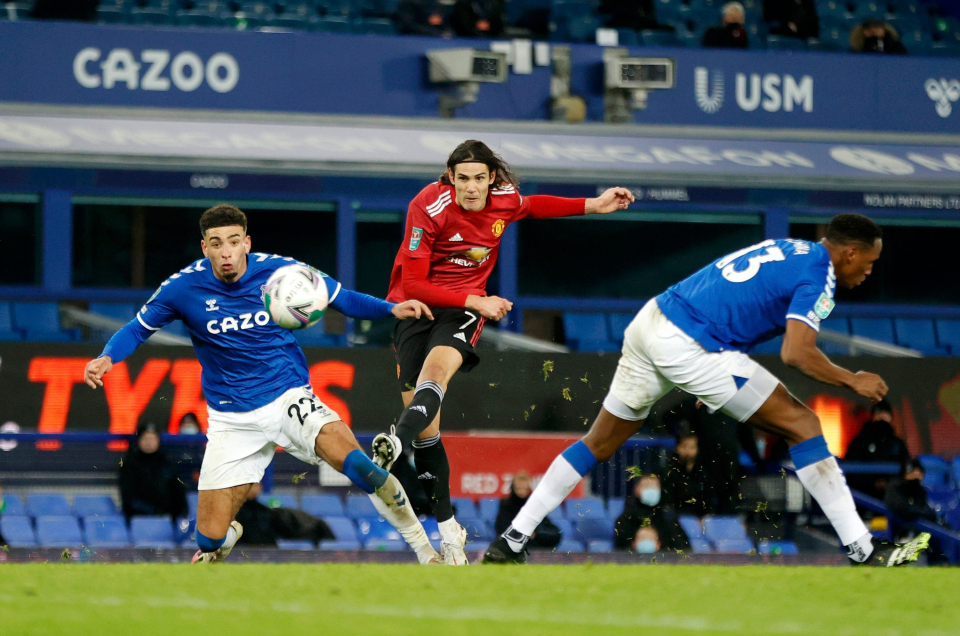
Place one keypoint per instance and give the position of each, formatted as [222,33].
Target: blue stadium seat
[156,15]
[330,544]
[278,501]
[17,531]
[948,335]
[627,37]
[565,527]
[918,334]
[586,508]
[290,544]
[7,330]
[734,546]
[955,468]
[868,9]
[152,532]
[359,506]
[600,545]
[615,508]
[700,546]
[185,531]
[192,504]
[839,324]
[204,14]
[918,42]
[94,505]
[938,474]
[385,545]
[943,501]
[322,505]
[47,505]
[118,311]
[619,324]
[12,506]
[488,509]
[58,531]
[874,328]
[376,528]
[587,529]
[334,24]
[106,532]
[945,49]
[432,529]
[692,527]
[578,28]
[295,15]
[465,508]
[477,529]
[777,547]
[343,529]
[587,332]
[569,545]
[256,14]
[659,38]
[904,23]
[15,10]
[719,527]
[374,26]
[778,43]
[41,322]
[112,12]
[315,337]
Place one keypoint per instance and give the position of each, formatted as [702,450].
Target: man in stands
[730,34]
[876,442]
[450,247]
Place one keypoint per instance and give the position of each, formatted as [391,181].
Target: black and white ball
[296,296]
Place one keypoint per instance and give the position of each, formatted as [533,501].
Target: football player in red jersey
[450,246]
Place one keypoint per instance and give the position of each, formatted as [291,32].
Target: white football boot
[386,449]
[221,554]
[452,543]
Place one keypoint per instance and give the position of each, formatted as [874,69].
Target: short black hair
[222,215]
[881,407]
[848,228]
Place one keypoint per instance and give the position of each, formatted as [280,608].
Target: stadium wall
[104,65]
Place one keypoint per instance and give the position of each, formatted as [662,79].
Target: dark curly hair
[473,151]
[222,215]
[845,229]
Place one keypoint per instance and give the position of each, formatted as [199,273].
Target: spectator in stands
[547,534]
[263,525]
[478,18]
[85,10]
[421,17]
[876,36]
[148,480]
[876,442]
[631,14]
[907,498]
[189,424]
[645,508]
[647,540]
[792,18]
[686,484]
[730,34]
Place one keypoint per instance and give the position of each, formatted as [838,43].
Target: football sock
[420,413]
[561,478]
[433,470]
[820,474]
[231,539]
[392,504]
[206,544]
[363,472]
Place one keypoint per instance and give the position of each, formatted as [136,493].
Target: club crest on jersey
[498,226]
[824,306]
[415,235]
[212,305]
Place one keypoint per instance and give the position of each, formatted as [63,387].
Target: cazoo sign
[770,91]
[154,70]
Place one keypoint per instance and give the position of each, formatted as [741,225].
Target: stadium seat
[295,15]
[600,545]
[118,311]
[277,501]
[12,506]
[874,328]
[343,529]
[778,43]
[465,508]
[152,532]
[569,545]
[840,324]
[955,468]
[658,38]
[58,531]
[720,527]
[290,544]
[315,337]
[41,322]
[156,15]
[588,507]
[943,501]
[333,24]
[94,505]
[627,37]
[17,531]
[360,506]
[615,508]
[619,324]
[374,26]
[376,528]
[47,505]
[937,473]
[432,529]
[587,332]
[565,527]
[256,14]
[918,334]
[7,330]
[692,527]
[192,504]
[700,546]
[103,531]
[339,545]
[184,532]
[385,545]
[777,547]
[948,335]
[734,546]
[112,12]
[945,49]
[488,509]
[918,41]
[322,505]
[477,529]
[587,529]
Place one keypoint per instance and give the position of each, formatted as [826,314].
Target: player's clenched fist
[411,309]
[870,385]
[490,307]
[610,201]
[95,371]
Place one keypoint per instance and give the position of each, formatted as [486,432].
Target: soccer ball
[295,296]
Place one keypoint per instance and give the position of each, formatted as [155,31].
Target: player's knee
[334,443]
[806,426]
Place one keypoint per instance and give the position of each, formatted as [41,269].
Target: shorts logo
[459,336]
[824,306]
[415,235]
[498,226]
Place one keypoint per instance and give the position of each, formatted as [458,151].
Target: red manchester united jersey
[462,246]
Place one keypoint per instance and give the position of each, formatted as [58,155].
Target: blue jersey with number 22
[747,297]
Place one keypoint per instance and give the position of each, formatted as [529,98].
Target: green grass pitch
[389,600]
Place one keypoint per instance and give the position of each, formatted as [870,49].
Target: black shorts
[413,340]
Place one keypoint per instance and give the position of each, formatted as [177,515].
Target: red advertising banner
[483,464]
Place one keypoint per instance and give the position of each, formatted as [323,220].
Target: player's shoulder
[183,279]
[266,262]
[506,195]
[434,198]
[804,254]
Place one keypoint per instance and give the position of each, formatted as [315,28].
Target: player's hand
[95,371]
[490,307]
[411,309]
[870,385]
[610,201]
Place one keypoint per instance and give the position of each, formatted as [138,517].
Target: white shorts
[240,446]
[658,356]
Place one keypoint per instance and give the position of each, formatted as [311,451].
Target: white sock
[825,481]
[231,539]
[391,502]
[560,480]
[449,529]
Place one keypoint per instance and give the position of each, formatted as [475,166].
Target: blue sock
[809,452]
[206,544]
[580,458]
[363,472]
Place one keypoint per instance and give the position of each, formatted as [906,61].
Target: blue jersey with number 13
[747,297]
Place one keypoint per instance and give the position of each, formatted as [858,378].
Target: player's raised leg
[217,531]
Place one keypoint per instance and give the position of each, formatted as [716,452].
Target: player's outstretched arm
[96,369]
[411,309]
[800,352]
[610,201]
[120,345]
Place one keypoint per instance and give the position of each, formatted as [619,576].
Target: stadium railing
[948,539]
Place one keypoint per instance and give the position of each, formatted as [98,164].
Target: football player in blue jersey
[695,336]
[256,383]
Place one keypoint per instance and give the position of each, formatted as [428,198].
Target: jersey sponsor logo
[472,257]
[498,226]
[824,306]
[243,321]
[212,305]
[455,238]
[415,235]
